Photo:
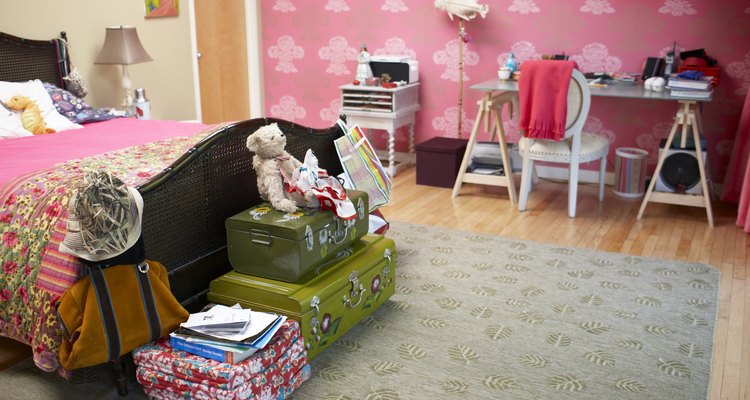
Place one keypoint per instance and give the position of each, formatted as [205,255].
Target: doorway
[221,44]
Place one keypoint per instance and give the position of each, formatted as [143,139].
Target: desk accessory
[654,67]
[668,67]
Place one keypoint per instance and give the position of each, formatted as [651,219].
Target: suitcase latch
[339,234]
[354,279]
[258,236]
[314,303]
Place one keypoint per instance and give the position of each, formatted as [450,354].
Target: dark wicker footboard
[186,205]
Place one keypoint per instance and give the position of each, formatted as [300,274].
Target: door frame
[254,65]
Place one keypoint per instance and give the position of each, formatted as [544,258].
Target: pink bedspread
[26,154]
[33,214]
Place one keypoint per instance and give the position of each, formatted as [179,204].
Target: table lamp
[122,46]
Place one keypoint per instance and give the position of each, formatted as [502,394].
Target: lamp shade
[122,46]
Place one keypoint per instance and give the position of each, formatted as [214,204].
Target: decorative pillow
[35,91]
[75,108]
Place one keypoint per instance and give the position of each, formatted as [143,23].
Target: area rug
[485,317]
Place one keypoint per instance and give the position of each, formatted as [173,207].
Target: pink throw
[543,98]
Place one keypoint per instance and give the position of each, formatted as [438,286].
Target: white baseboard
[584,175]
[592,176]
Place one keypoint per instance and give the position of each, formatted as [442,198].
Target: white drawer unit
[375,107]
[378,99]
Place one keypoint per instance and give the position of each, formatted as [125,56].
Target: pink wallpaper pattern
[310,48]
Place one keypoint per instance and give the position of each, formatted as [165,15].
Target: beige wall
[168,79]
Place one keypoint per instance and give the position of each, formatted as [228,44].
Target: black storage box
[438,161]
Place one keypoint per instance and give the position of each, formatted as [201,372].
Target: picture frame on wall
[161,8]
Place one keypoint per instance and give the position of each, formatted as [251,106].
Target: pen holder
[504,73]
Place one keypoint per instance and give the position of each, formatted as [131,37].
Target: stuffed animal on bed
[31,115]
[275,167]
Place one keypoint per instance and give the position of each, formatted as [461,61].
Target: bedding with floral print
[75,108]
[33,217]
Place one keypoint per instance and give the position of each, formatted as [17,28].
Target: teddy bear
[31,116]
[274,168]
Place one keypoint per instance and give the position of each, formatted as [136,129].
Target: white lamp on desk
[122,46]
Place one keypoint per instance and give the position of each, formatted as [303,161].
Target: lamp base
[126,86]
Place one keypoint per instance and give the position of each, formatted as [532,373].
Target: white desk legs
[392,151]
[687,117]
[488,109]
[411,143]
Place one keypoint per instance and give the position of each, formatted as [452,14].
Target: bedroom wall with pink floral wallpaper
[310,48]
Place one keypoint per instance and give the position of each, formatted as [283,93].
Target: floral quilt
[33,218]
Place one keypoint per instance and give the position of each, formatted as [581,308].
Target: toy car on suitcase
[266,242]
[340,293]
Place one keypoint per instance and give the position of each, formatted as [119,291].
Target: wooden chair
[577,146]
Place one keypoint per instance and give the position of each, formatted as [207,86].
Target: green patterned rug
[485,317]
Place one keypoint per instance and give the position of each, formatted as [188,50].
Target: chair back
[579,103]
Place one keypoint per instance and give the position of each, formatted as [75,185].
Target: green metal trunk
[272,244]
[341,293]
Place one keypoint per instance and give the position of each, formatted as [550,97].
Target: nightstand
[375,107]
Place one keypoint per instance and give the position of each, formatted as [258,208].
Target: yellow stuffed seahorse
[31,116]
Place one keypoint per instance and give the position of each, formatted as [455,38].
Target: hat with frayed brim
[104,218]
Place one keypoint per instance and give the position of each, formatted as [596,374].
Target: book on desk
[676,82]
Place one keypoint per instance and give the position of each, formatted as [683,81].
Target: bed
[191,181]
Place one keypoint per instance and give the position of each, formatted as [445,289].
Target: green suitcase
[273,244]
[342,291]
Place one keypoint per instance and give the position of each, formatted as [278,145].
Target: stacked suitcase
[311,266]
[271,373]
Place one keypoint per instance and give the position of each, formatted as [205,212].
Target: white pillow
[35,90]
[10,124]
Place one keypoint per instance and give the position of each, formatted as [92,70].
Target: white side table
[374,107]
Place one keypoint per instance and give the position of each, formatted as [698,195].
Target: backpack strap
[107,310]
[149,303]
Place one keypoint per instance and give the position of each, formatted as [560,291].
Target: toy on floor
[31,115]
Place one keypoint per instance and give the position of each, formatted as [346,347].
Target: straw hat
[104,218]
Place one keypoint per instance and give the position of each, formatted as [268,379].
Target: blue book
[263,340]
[219,352]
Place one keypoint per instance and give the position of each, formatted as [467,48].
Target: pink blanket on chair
[543,98]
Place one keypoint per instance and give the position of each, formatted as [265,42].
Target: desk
[375,107]
[687,119]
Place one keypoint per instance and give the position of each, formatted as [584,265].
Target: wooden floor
[666,231]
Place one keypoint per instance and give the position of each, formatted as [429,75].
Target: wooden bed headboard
[24,59]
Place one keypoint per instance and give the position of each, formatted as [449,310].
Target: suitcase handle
[348,302]
[354,279]
[342,237]
[258,236]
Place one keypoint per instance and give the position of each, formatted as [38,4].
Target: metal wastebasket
[630,172]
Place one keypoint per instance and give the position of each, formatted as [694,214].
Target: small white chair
[577,146]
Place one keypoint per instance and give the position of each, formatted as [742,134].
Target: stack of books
[690,88]
[226,334]
[487,160]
